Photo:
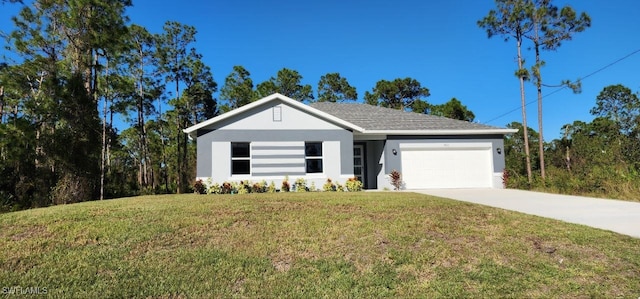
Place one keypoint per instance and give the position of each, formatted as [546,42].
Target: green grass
[331,245]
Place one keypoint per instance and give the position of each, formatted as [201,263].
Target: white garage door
[446,168]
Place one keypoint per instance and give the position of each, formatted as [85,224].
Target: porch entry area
[366,162]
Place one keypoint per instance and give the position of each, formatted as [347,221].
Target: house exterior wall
[391,161]
[277,134]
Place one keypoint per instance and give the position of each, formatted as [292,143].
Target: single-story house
[277,136]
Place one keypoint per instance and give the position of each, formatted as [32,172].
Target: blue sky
[436,42]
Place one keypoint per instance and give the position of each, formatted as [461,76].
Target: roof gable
[276,97]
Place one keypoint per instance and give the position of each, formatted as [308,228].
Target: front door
[358,163]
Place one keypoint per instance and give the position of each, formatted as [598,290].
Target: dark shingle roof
[371,117]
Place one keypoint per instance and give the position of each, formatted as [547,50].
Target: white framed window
[313,157]
[240,158]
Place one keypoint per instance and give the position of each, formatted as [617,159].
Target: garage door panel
[446,168]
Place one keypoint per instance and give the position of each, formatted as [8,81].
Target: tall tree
[397,94]
[333,88]
[510,20]
[418,106]
[288,83]
[238,88]
[175,52]
[122,173]
[196,104]
[619,104]
[183,66]
[113,90]
[142,82]
[551,26]
[452,109]
[198,93]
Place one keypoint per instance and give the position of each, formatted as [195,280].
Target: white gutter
[438,132]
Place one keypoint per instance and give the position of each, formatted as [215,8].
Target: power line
[565,86]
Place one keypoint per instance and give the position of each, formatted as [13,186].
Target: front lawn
[364,244]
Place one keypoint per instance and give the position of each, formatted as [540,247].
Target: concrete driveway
[619,216]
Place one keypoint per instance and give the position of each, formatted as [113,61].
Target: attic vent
[277,113]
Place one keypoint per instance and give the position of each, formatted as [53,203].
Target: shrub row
[299,185]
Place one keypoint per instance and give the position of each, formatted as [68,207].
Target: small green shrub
[6,201]
[353,185]
[148,190]
[244,187]
[516,181]
[329,186]
[71,188]
[339,187]
[312,187]
[260,187]
[272,187]
[214,189]
[300,185]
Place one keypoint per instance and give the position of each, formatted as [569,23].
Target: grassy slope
[311,245]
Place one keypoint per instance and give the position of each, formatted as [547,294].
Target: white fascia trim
[264,100]
[446,146]
[441,132]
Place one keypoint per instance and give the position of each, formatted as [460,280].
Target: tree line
[598,158]
[77,66]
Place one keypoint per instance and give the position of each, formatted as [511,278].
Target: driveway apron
[619,216]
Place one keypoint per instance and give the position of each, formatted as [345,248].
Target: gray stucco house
[278,136]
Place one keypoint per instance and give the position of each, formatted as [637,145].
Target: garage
[446,166]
